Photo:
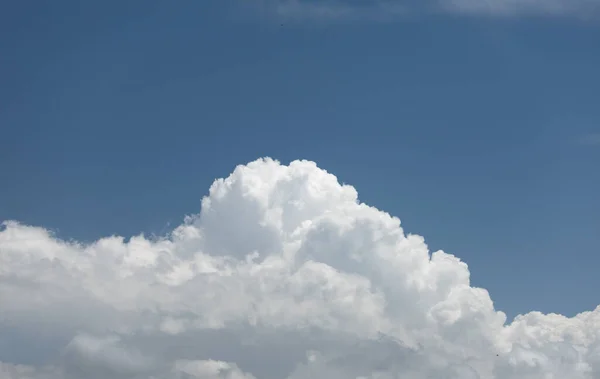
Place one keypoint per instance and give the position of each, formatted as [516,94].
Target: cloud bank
[283,274]
[391,9]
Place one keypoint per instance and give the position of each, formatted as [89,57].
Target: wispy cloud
[523,7]
[337,10]
[391,9]
[592,139]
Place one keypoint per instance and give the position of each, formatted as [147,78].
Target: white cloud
[390,9]
[283,274]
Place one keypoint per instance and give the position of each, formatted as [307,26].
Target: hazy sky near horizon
[476,123]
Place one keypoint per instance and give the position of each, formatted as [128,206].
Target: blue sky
[478,129]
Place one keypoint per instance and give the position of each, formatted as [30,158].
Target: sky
[475,123]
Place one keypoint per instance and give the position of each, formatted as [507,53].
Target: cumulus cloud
[284,274]
[390,9]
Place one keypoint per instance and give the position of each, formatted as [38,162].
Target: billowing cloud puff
[282,274]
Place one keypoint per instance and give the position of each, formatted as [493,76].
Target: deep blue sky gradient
[115,117]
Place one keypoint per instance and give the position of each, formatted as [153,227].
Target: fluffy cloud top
[283,274]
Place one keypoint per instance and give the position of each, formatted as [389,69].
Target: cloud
[283,274]
[577,8]
[374,10]
[336,10]
[592,139]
